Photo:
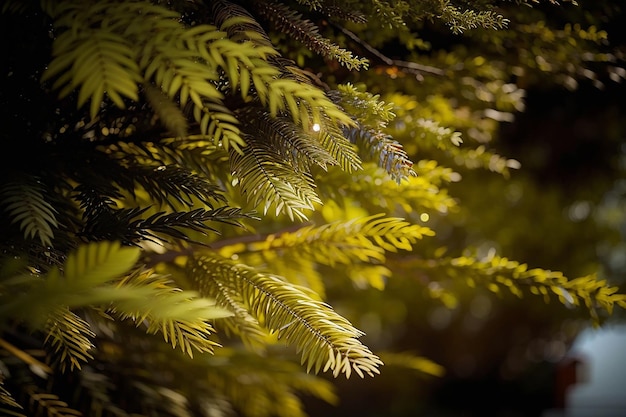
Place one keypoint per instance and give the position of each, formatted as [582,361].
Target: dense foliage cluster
[187,180]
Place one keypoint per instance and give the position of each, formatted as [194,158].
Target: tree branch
[406,66]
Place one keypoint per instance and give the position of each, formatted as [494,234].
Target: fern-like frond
[45,403]
[499,274]
[180,316]
[97,263]
[131,227]
[299,270]
[70,339]
[8,406]
[391,14]
[432,135]
[112,224]
[195,152]
[197,220]
[166,183]
[82,283]
[324,339]
[185,66]
[357,240]
[95,200]
[136,167]
[94,59]
[25,203]
[336,11]
[384,149]
[461,20]
[367,108]
[355,249]
[376,190]
[89,279]
[169,113]
[306,104]
[242,323]
[238,23]
[300,148]
[265,178]
[334,141]
[292,24]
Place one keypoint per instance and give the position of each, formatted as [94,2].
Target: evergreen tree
[185,182]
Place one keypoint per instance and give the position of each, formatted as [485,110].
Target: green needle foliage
[186,182]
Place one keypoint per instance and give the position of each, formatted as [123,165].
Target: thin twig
[411,67]
[24,357]
[169,256]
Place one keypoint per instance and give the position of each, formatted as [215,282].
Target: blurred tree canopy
[216,208]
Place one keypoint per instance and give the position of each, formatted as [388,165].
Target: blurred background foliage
[548,92]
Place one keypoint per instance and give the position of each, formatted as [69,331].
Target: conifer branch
[131,227]
[82,281]
[333,140]
[368,109]
[265,179]
[391,14]
[166,183]
[303,30]
[150,115]
[242,323]
[50,404]
[499,273]
[26,204]
[335,11]
[239,24]
[170,114]
[344,242]
[384,149]
[300,148]
[70,338]
[324,339]
[7,400]
[460,21]
[180,316]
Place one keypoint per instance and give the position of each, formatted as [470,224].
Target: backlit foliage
[184,183]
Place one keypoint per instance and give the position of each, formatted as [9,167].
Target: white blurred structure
[600,387]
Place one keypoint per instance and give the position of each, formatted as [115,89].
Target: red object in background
[568,373]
